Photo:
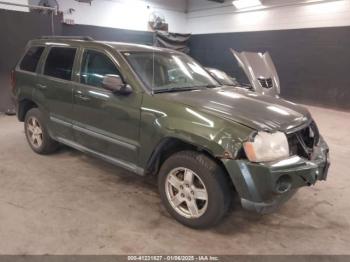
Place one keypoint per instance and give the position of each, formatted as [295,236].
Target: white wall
[202,16]
[126,14]
[15,8]
[215,20]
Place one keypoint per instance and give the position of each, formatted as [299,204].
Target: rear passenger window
[59,62]
[31,58]
[95,66]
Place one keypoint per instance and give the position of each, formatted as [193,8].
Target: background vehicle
[157,112]
[225,79]
[222,77]
[259,70]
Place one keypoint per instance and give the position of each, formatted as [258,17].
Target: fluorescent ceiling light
[241,4]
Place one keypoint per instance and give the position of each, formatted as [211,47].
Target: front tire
[36,133]
[194,189]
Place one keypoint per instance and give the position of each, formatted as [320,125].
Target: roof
[133,47]
[119,46]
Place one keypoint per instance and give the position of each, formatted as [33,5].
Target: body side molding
[126,165]
[89,132]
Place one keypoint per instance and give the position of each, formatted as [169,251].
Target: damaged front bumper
[263,187]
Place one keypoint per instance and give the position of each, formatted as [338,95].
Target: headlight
[267,147]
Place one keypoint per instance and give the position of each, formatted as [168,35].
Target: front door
[104,122]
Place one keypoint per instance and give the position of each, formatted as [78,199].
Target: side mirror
[115,84]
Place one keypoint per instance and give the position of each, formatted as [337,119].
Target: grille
[302,142]
[265,82]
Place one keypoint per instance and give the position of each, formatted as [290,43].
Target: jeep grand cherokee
[158,112]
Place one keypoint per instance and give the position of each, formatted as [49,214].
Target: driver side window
[95,65]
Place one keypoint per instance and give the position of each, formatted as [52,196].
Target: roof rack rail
[86,38]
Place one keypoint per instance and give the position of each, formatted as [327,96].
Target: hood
[260,71]
[256,111]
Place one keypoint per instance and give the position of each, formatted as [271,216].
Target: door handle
[80,96]
[41,86]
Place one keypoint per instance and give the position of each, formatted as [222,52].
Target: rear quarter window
[59,62]
[31,58]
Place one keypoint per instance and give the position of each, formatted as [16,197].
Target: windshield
[162,72]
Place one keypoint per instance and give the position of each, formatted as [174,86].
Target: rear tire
[194,189]
[36,133]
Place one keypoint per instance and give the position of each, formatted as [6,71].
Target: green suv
[155,111]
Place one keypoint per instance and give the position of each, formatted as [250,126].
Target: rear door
[26,72]
[56,90]
[105,122]
[260,71]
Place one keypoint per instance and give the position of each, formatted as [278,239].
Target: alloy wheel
[34,132]
[186,192]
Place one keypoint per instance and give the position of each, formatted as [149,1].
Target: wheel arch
[171,145]
[24,105]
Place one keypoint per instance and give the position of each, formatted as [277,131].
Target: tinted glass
[94,67]
[31,59]
[59,62]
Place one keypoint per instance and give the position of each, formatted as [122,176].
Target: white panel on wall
[15,8]
[126,14]
[216,19]
[203,16]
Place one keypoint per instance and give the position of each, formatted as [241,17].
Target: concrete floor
[70,203]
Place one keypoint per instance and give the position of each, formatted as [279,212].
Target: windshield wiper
[248,86]
[212,86]
[176,89]
[184,88]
